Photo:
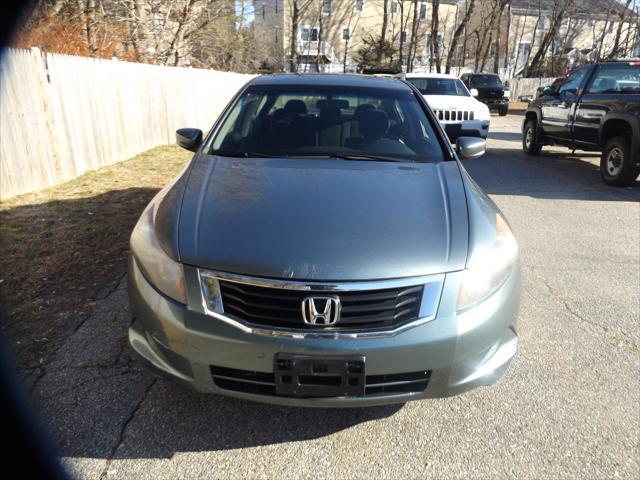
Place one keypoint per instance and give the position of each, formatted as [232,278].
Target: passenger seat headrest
[296,107]
[374,124]
[362,110]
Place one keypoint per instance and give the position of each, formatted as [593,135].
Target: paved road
[568,407]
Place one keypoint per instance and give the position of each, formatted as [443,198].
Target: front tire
[503,111]
[530,142]
[615,163]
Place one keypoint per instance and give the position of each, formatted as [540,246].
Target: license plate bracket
[319,376]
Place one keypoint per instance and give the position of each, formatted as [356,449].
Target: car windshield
[439,86]
[327,121]
[485,81]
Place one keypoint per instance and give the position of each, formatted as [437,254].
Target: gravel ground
[568,407]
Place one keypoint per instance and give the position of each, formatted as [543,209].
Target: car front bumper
[466,128]
[494,103]
[461,351]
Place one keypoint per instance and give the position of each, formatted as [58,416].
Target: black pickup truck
[597,108]
[488,89]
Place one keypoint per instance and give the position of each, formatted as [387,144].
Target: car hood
[450,102]
[323,219]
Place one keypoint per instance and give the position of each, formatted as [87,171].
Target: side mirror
[474,92]
[189,138]
[471,147]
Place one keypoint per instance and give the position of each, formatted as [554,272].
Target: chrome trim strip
[323,286]
[428,309]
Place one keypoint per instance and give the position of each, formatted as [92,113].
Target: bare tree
[385,19]
[481,33]
[518,37]
[458,33]
[534,36]
[506,43]
[206,33]
[435,43]
[462,26]
[557,14]
[496,53]
[298,9]
[605,27]
[615,49]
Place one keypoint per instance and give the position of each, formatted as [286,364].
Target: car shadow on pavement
[553,174]
[506,136]
[174,419]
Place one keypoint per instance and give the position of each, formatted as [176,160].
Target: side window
[571,85]
[614,78]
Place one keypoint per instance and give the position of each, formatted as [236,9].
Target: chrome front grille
[366,309]
[454,115]
[277,307]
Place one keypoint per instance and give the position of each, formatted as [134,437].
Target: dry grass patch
[65,247]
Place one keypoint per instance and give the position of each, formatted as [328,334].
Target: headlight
[489,267]
[162,271]
[483,112]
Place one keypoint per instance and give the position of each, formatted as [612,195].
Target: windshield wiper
[364,156]
[341,156]
[241,154]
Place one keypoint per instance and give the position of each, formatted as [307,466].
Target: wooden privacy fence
[63,115]
[527,86]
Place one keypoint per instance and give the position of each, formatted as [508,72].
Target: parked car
[457,110]
[596,108]
[325,246]
[490,90]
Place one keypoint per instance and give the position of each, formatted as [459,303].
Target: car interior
[609,84]
[319,125]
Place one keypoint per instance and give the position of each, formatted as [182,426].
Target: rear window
[327,121]
[616,78]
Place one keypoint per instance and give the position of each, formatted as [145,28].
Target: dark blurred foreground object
[26,454]
[10,13]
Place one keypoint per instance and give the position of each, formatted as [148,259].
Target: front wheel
[530,142]
[615,163]
[503,111]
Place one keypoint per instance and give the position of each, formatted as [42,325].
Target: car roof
[485,74]
[430,75]
[338,80]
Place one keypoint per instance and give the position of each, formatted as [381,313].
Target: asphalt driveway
[569,406]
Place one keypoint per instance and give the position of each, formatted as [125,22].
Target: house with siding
[326,35]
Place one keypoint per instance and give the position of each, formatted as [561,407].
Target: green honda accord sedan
[325,247]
